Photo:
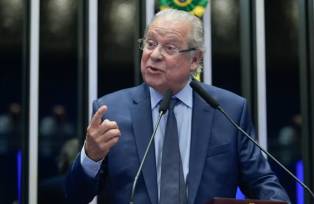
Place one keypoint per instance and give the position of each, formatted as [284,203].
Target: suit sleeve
[81,188]
[256,177]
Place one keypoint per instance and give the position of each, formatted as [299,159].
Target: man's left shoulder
[223,95]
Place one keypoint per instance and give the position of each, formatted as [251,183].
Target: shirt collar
[185,96]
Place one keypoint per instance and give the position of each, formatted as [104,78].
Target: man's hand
[100,136]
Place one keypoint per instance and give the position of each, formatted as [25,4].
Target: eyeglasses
[166,49]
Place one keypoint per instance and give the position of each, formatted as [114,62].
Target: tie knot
[173,103]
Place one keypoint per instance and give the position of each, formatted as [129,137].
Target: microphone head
[201,91]
[164,105]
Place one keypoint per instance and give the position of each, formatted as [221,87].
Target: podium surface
[234,201]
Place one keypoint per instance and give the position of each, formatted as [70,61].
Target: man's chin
[157,86]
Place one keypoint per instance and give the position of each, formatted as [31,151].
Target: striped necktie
[172,185]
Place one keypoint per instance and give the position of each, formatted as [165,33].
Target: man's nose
[157,52]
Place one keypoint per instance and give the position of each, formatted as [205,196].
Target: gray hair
[196,36]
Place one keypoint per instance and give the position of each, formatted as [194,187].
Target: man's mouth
[153,69]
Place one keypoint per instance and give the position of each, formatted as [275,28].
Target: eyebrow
[171,37]
[170,40]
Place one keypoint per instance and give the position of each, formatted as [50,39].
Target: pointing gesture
[101,135]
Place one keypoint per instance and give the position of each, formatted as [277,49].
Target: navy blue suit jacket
[220,157]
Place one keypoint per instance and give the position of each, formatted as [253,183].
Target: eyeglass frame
[142,42]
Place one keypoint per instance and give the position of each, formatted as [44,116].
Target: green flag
[196,7]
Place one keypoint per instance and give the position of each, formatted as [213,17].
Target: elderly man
[212,158]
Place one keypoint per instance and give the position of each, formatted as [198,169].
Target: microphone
[198,89]
[164,105]
[214,103]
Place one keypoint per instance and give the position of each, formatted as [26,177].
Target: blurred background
[64,81]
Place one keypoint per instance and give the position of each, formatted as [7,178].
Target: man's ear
[196,60]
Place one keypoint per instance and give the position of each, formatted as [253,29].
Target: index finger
[96,119]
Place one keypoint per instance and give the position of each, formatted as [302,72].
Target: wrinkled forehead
[176,30]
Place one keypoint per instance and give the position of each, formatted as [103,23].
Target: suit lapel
[202,119]
[143,128]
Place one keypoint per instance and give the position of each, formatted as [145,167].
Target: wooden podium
[234,201]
